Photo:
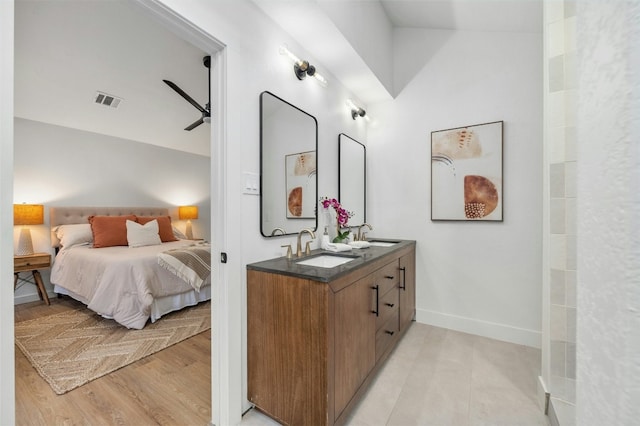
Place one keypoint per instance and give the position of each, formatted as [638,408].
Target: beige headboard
[73,215]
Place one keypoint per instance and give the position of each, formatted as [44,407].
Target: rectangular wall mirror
[352,177]
[288,167]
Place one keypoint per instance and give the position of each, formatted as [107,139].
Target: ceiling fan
[206,111]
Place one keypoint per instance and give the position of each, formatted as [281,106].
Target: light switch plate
[251,183]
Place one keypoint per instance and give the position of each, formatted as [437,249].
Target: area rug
[75,347]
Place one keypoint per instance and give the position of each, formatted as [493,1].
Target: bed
[129,284]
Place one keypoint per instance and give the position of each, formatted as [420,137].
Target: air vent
[105,99]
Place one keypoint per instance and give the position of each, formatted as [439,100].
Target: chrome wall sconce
[356,111]
[302,68]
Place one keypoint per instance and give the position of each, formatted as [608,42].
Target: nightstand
[32,262]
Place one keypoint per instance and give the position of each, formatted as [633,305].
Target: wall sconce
[27,214]
[303,68]
[187,213]
[356,111]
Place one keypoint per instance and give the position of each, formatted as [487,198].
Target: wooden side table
[32,262]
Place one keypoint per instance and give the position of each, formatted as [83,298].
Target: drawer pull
[389,277]
[404,278]
[390,333]
[377,310]
[391,305]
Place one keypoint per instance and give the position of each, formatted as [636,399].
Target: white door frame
[222,399]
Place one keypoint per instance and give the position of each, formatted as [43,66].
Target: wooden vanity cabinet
[407,290]
[313,347]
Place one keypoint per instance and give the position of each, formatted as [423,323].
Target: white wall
[59,166]
[7,360]
[608,373]
[478,277]
[253,65]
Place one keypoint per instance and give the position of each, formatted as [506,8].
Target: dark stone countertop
[290,267]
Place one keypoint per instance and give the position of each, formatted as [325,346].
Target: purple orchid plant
[342,217]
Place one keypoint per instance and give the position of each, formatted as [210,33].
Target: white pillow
[179,235]
[143,235]
[73,235]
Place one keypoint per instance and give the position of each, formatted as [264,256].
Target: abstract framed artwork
[466,173]
[300,174]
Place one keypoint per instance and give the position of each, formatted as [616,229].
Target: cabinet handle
[377,310]
[391,305]
[390,333]
[403,286]
[389,277]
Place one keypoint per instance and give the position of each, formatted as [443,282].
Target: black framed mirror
[288,167]
[352,177]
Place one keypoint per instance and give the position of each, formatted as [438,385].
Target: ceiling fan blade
[194,124]
[184,95]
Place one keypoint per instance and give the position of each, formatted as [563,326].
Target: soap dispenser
[324,243]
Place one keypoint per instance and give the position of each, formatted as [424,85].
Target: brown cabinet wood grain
[314,347]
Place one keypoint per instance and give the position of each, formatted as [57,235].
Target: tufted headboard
[73,215]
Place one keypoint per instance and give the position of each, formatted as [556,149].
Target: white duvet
[118,282]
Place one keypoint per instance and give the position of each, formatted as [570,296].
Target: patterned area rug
[75,347]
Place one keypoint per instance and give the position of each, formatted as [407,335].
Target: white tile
[570,143]
[572,252]
[571,284]
[555,38]
[558,323]
[571,107]
[557,149]
[570,70]
[557,217]
[571,216]
[558,251]
[556,73]
[557,286]
[553,11]
[570,34]
[557,109]
[570,179]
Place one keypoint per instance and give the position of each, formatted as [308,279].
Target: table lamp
[187,213]
[27,214]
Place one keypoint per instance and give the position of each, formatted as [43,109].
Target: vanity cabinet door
[407,289]
[355,344]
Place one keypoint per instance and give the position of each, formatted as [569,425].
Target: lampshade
[187,212]
[28,214]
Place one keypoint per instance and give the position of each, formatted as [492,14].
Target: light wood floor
[171,387]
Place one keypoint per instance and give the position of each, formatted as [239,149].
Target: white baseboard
[543,395]
[491,330]
[31,297]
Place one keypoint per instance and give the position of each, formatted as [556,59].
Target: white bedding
[121,282]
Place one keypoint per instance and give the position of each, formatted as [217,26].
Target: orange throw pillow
[164,226]
[109,231]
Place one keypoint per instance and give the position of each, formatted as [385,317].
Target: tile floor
[447,378]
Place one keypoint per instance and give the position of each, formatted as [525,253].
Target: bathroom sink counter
[318,335]
[369,257]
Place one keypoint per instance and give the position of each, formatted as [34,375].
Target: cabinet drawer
[387,334]
[387,306]
[31,262]
[387,277]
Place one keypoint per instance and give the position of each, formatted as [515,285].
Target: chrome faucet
[282,231]
[308,248]
[361,235]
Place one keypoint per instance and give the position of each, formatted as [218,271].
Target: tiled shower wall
[560,39]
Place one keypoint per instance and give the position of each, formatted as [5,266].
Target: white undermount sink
[325,261]
[383,243]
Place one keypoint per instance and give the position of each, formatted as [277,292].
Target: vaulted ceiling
[66,51]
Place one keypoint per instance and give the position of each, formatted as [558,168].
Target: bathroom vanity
[317,335]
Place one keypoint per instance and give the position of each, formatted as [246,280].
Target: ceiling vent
[105,99]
